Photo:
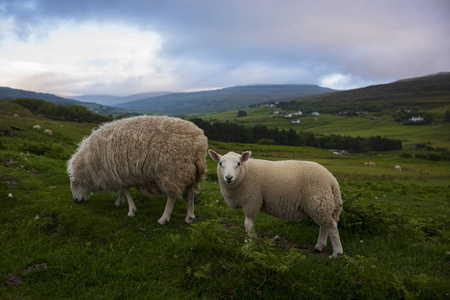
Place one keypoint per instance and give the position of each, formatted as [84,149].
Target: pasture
[394,230]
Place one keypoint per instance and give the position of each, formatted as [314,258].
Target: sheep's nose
[228,179]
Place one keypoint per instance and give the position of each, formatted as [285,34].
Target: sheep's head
[229,164]
[79,191]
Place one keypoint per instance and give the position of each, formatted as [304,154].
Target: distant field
[364,126]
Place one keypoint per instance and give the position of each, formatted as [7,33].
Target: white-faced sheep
[158,155]
[398,168]
[48,131]
[38,127]
[287,190]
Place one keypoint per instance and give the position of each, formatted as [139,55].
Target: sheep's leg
[335,242]
[322,241]
[167,211]
[249,223]
[121,200]
[131,207]
[190,209]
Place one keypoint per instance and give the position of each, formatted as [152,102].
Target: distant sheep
[288,190]
[158,155]
[398,168]
[38,127]
[48,131]
[372,164]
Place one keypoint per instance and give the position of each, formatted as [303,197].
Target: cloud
[339,81]
[86,56]
[139,46]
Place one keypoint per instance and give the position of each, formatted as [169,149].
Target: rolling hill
[7,94]
[223,99]
[422,93]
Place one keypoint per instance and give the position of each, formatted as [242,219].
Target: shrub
[406,155]
[266,142]
[434,157]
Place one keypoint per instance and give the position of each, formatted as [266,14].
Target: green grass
[394,230]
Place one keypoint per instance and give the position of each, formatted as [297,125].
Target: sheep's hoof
[163,221]
[336,256]
[131,212]
[119,203]
[189,220]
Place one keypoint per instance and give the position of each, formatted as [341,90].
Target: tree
[242,113]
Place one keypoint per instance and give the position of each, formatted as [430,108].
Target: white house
[315,113]
[288,115]
[416,119]
[276,112]
[296,121]
[297,113]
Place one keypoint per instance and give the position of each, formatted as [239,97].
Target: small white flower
[10,195]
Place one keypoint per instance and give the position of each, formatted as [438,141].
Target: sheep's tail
[338,202]
[200,166]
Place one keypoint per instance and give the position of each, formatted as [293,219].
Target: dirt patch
[12,163]
[11,183]
[15,280]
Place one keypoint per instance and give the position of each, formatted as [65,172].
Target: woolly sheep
[287,190]
[398,168]
[157,155]
[38,127]
[48,131]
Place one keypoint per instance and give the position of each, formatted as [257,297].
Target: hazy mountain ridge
[113,100]
[427,91]
[223,99]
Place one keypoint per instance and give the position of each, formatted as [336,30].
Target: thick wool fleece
[288,190]
[285,189]
[156,154]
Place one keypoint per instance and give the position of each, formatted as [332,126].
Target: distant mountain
[143,96]
[102,99]
[113,100]
[425,92]
[7,94]
[223,99]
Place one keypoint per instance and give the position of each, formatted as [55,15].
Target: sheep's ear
[214,155]
[246,155]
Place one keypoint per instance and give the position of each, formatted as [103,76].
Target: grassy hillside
[422,93]
[394,230]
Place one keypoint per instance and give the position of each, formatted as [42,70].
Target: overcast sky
[123,47]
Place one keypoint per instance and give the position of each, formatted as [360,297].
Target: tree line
[261,134]
[75,113]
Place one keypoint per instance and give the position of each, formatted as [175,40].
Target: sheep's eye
[239,163]
[220,164]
